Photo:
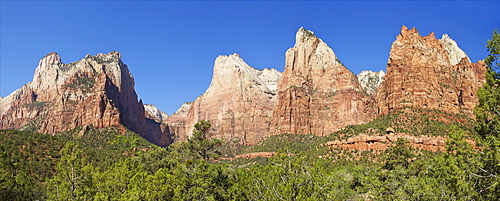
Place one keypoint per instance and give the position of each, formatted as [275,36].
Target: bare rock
[152,112]
[370,80]
[177,122]
[428,73]
[317,94]
[239,102]
[97,90]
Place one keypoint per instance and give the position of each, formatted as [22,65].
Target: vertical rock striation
[317,94]
[429,73]
[97,90]
[239,101]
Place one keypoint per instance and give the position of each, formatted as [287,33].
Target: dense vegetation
[115,164]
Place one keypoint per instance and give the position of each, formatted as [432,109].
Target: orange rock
[317,94]
[238,103]
[97,90]
[429,73]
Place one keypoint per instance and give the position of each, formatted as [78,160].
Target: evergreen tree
[73,179]
[200,146]
[488,121]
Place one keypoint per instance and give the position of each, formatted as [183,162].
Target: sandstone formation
[370,80]
[97,90]
[177,122]
[429,73]
[317,94]
[372,142]
[239,101]
[152,112]
[366,142]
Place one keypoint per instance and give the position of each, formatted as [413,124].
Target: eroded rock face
[366,142]
[239,102]
[370,80]
[97,90]
[429,73]
[177,122]
[317,94]
[152,112]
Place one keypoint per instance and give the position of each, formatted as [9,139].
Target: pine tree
[488,121]
[200,144]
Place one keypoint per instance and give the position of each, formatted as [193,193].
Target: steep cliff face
[152,112]
[429,73]
[317,94]
[177,122]
[370,80]
[239,102]
[97,90]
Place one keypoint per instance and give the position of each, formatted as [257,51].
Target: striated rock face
[97,90]
[370,80]
[429,73]
[372,142]
[239,102]
[177,122]
[317,94]
[152,112]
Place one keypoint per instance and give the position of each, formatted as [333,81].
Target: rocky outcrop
[317,94]
[97,90]
[428,73]
[239,101]
[177,122]
[370,80]
[152,112]
[366,142]
[371,142]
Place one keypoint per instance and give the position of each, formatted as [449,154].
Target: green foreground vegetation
[107,164]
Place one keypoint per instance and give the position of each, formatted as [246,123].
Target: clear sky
[170,46]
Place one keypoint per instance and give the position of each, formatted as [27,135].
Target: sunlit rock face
[239,101]
[177,122]
[97,90]
[370,80]
[429,73]
[152,112]
[317,94]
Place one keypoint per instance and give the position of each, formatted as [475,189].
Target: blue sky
[170,46]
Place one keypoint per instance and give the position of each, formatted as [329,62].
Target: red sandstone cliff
[317,94]
[239,102]
[429,73]
[97,90]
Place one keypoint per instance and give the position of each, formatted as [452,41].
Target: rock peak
[405,32]
[439,80]
[303,34]
[314,86]
[456,54]
[50,59]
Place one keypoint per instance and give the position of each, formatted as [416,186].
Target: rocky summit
[239,101]
[317,93]
[429,73]
[97,90]
[152,112]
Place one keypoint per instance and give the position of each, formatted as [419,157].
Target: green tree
[488,121]
[200,145]
[399,155]
[73,179]
[115,181]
